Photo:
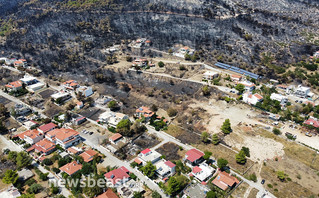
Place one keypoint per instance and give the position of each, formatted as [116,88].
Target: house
[10,192]
[14,86]
[282,99]
[210,75]
[18,63]
[71,168]
[35,87]
[184,50]
[108,194]
[112,118]
[225,181]
[47,127]
[316,54]
[31,136]
[70,84]
[61,95]
[283,87]
[274,117]
[144,112]
[202,172]
[303,92]
[86,91]
[79,105]
[64,137]
[25,174]
[74,150]
[235,77]
[21,109]
[249,86]
[149,155]
[193,157]
[43,146]
[115,138]
[117,177]
[102,100]
[30,124]
[250,98]
[88,155]
[312,122]
[79,120]
[29,80]
[138,161]
[165,168]
[64,154]
[140,62]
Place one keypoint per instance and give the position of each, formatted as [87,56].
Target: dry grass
[174,130]
[253,193]
[240,191]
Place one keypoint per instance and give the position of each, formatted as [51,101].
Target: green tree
[211,194]
[226,127]
[187,57]
[35,188]
[253,177]
[241,157]
[170,51]
[281,175]
[155,194]
[215,139]
[112,105]
[138,195]
[47,162]
[276,131]
[161,64]
[240,88]
[13,156]
[3,128]
[173,186]
[206,90]
[27,196]
[246,151]
[207,155]
[23,160]
[204,137]
[92,191]
[222,163]
[10,177]
[171,112]
[149,170]
[123,127]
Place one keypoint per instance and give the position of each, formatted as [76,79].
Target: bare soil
[170,151]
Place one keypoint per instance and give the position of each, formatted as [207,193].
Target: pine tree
[215,139]
[241,157]
[226,128]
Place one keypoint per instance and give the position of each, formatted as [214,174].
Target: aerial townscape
[159,99]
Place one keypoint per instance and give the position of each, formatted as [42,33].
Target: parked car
[308,134]
[91,133]
[263,181]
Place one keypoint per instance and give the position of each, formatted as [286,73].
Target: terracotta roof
[259,97]
[73,84]
[15,84]
[196,169]
[29,133]
[235,76]
[71,168]
[88,155]
[62,133]
[282,86]
[224,180]
[79,103]
[147,41]
[170,164]
[117,174]
[108,194]
[68,82]
[23,60]
[312,122]
[145,151]
[194,154]
[18,62]
[138,161]
[144,109]
[115,137]
[72,150]
[44,146]
[47,127]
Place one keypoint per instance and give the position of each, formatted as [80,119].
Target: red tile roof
[138,161]
[145,151]
[196,169]
[72,150]
[194,154]
[47,127]
[235,76]
[170,164]
[224,180]
[117,174]
[71,168]
[29,133]
[15,84]
[115,137]
[44,146]
[62,133]
[312,122]
[259,97]
[88,155]
[108,194]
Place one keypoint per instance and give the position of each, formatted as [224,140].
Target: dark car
[262,181]
[91,133]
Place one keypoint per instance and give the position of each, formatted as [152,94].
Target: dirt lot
[92,113]
[46,93]
[4,101]
[253,193]
[171,151]
[240,191]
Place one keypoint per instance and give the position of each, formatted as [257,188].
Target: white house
[202,172]
[21,109]
[252,98]
[210,75]
[249,86]
[86,91]
[316,54]
[282,99]
[149,155]
[31,136]
[165,168]
[61,95]
[35,87]
[29,80]
[64,137]
[112,118]
[303,92]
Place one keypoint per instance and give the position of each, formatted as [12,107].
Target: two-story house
[64,137]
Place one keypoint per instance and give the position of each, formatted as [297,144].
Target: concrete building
[86,91]
[282,99]
[252,98]
[210,75]
[148,155]
[303,92]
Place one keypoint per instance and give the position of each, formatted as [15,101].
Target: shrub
[161,64]
[171,112]
[269,185]
[276,131]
